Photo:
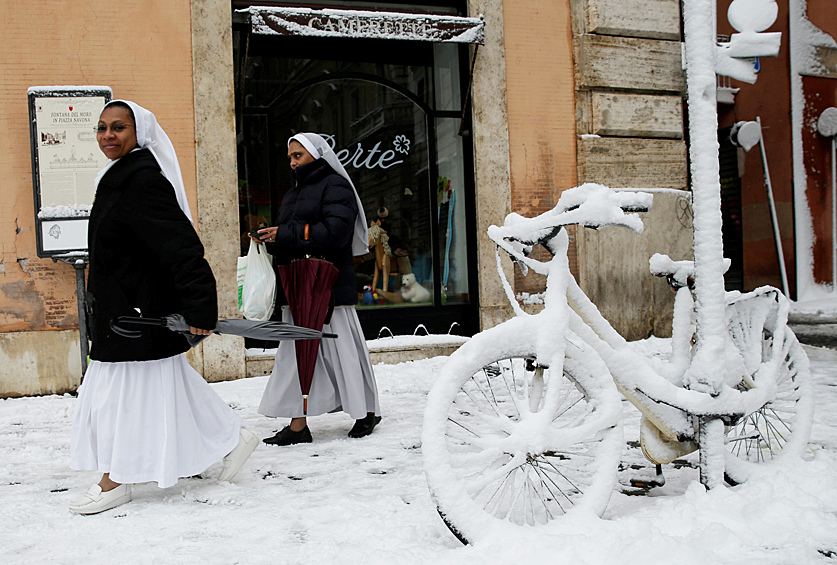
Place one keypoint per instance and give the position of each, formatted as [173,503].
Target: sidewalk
[815,322]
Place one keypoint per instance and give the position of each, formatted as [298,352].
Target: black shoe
[364,426]
[286,436]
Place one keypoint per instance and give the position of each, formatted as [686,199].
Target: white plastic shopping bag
[241,268]
[258,289]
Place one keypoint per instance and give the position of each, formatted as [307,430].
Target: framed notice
[65,161]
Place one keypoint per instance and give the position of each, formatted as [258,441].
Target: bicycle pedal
[647,482]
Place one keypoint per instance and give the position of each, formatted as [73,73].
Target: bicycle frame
[657,391]
[523,424]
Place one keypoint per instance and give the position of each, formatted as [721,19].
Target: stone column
[217,178]
[491,157]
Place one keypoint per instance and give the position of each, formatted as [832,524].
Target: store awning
[358,24]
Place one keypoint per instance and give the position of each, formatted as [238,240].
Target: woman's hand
[199,331]
[265,234]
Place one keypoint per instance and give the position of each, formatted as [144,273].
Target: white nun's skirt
[150,421]
[343,377]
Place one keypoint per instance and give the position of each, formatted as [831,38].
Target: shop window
[392,112]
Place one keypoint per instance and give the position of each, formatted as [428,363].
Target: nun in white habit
[143,414]
[322,216]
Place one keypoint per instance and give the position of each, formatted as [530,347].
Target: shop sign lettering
[374,158]
[360,24]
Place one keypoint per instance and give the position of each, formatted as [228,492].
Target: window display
[393,117]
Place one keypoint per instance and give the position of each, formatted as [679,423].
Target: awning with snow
[358,24]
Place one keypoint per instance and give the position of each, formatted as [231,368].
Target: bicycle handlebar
[589,205]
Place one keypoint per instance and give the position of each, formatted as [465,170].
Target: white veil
[320,149]
[150,135]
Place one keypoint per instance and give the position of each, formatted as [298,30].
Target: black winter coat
[326,201]
[144,254]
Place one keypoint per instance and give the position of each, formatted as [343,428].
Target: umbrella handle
[329,335]
[118,325]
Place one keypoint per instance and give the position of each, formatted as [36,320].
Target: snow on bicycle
[523,424]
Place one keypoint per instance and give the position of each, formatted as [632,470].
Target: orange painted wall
[142,49]
[540,95]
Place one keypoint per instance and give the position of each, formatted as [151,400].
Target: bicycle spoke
[495,474]
[485,373]
[488,433]
[563,476]
[778,426]
[513,389]
[493,423]
[568,408]
[780,438]
[463,427]
[491,402]
[502,489]
[542,474]
[780,419]
[544,488]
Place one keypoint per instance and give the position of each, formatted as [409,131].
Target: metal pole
[773,217]
[706,371]
[79,266]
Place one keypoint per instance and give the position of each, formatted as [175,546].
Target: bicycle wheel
[508,443]
[782,426]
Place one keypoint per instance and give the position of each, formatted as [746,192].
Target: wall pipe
[773,216]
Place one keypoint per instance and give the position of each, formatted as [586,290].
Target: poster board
[65,161]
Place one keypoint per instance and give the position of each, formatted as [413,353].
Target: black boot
[364,426]
[286,436]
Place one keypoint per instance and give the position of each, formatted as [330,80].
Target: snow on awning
[358,24]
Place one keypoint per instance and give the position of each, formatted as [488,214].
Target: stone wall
[215,147]
[491,154]
[629,118]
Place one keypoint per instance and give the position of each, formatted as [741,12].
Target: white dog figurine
[411,291]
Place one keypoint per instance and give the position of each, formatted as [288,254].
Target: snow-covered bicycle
[522,426]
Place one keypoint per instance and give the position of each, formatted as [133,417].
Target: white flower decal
[401,144]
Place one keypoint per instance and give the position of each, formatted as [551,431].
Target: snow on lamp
[750,18]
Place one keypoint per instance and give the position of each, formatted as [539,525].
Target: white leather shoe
[96,501]
[247,442]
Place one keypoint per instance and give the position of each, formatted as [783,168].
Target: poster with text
[68,155]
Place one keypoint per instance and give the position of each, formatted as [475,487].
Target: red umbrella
[307,284]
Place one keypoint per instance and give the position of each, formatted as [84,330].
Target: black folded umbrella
[126,326]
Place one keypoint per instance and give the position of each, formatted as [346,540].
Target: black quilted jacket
[326,201]
[145,257]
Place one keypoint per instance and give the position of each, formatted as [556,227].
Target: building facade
[792,91]
[442,137]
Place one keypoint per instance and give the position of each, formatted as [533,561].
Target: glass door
[391,111]
[381,137]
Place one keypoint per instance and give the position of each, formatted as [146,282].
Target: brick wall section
[540,91]
[142,50]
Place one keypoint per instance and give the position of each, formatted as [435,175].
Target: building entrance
[392,110]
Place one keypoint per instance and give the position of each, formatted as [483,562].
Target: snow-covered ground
[340,500]
[825,306]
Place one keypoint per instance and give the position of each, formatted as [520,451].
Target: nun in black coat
[143,414]
[322,216]
[145,259]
